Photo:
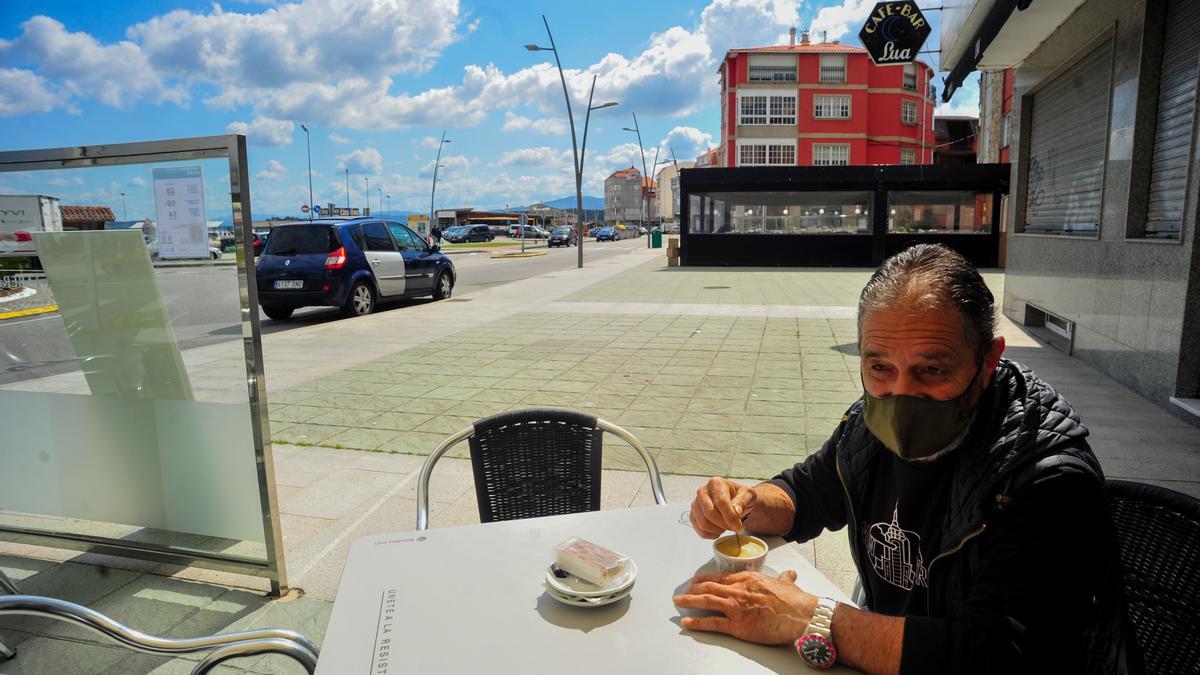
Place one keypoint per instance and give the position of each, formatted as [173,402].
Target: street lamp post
[367,195]
[641,149]
[437,163]
[389,208]
[576,149]
[124,211]
[380,200]
[347,188]
[308,147]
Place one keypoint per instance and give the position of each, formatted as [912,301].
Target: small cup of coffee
[740,553]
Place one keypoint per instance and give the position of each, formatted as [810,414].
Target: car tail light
[23,236]
[336,259]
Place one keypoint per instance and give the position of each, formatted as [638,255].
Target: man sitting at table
[976,511]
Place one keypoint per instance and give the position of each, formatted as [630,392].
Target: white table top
[471,599]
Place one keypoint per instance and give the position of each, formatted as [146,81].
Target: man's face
[923,354]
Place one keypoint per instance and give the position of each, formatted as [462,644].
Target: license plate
[289,283]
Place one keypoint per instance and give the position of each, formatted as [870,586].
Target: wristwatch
[816,645]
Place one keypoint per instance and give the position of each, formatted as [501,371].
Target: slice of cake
[589,561]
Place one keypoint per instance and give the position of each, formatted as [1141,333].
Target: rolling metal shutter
[1176,115]
[1068,134]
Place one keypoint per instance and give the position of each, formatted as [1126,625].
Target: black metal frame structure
[838,250]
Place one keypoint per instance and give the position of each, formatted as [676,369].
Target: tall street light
[124,211]
[575,148]
[389,208]
[367,195]
[380,199]
[437,163]
[637,130]
[347,188]
[308,146]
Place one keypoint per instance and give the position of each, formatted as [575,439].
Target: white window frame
[752,115]
[1006,129]
[779,110]
[908,156]
[910,75]
[833,69]
[830,154]
[775,152]
[908,112]
[826,105]
[780,67]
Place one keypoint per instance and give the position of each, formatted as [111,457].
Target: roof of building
[811,47]
[87,214]
[626,173]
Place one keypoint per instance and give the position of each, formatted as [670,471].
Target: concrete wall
[1129,297]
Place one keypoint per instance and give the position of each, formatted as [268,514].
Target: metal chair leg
[289,648]
[5,652]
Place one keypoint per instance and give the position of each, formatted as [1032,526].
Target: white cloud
[543,157]
[265,131]
[451,165]
[842,20]
[687,142]
[545,125]
[137,181]
[340,139]
[267,60]
[365,161]
[431,142]
[22,91]
[275,170]
[117,74]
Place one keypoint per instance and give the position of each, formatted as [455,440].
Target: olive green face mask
[917,428]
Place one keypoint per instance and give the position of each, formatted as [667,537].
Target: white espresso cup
[749,558]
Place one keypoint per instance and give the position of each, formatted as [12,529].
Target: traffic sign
[894,33]
[304,208]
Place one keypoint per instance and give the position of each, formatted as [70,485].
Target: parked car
[468,233]
[605,233]
[260,241]
[531,232]
[351,264]
[562,236]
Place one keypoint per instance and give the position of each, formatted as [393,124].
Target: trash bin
[656,238]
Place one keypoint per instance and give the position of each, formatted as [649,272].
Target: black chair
[1158,532]
[534,462]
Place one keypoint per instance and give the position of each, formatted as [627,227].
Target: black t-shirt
[901,530]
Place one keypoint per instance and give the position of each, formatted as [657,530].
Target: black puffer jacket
[1027,579]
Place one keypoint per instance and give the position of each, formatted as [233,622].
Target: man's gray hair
[932,276]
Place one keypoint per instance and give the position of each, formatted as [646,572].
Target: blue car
[606,234]
[352,264]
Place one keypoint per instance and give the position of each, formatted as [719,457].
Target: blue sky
[377,81]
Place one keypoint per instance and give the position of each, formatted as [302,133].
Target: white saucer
[594,601]
[573,586]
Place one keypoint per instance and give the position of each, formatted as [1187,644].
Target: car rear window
[301,239]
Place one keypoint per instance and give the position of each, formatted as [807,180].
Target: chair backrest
[1158,531]
[535,462]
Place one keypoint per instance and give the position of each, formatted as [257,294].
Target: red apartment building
[822,104]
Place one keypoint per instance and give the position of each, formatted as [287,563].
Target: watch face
[816,650]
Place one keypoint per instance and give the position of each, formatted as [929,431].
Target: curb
[519,255]
[208,263]
[28,312]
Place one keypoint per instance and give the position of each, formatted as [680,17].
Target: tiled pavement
[739,381]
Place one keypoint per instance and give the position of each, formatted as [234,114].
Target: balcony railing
[772,74]
[910,81]
[833,74]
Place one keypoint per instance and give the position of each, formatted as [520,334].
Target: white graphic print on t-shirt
[895,553]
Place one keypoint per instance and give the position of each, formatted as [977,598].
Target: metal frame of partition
[232,147]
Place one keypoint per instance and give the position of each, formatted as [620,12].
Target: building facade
[1102,254]
[667,197]
[624,192]
[823,104]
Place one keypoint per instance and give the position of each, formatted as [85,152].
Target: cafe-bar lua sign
[894,33]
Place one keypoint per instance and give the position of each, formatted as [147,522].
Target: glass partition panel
[124,398]
[781,213]
[939,212]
